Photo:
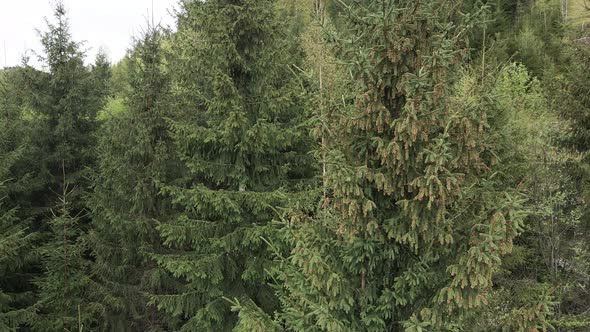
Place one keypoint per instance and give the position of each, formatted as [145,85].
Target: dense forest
[303,165]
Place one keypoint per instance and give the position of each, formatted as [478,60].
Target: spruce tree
[67,297]
[62,100]
[415,224]
[65,99]
[17,241]
[101,74]
[239,133]
[135,155]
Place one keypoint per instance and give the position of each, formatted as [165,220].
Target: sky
[109,24]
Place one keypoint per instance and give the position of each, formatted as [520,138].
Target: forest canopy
[303,165]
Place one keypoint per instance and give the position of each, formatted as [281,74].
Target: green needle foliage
[135,155]
[67,293]
[60,103]
[15,245]
[416,225]
[303,165]
[16,239]
[65,100]
[240,134]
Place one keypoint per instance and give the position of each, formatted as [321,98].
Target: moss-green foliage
[57,108]
[119,88]
[416,223]
[570,234]
[67,295]
[114,108]
[16,239]
[544,117]
[520,300]
[303,165]
[578,12]
[239,132]
[15,245]
[135,156]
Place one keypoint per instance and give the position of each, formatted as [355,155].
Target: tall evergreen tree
[63,101]
[415,224]
[135,155]
[65,98]
[240,135]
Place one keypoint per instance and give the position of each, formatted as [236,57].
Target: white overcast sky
[110,24]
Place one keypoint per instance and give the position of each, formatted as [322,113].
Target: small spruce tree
[67,298]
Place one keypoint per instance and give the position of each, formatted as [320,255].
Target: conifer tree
[415,224]
[16,140]
[135,155]
[67,298]
[62,100]
[240,136]
[302,165]
[17,254]
[102,73]
[65,99]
